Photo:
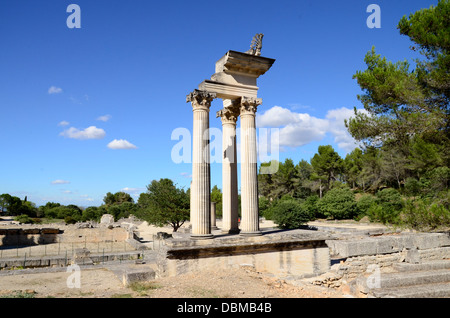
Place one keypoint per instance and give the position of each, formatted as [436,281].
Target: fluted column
[213,216]
[230,203]
[249,173]
[201,175]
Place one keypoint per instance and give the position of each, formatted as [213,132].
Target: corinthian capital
[200,99]
[228,114]
[249,105]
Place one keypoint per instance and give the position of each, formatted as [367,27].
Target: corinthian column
[230,204]
[249,173]
[201,175]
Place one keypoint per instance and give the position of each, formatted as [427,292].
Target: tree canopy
[164,204]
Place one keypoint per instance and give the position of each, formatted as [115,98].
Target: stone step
[439,290]
[374,282]
[425,266]
[414,278]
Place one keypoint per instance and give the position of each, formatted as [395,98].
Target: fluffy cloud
[91,132]
[60,182]
[337,127]
[63,123]
[298,129]
[133,191]
[54,90]
[104,118]
[121,144]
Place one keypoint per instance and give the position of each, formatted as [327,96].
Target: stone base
[231,231]
[201,236]
[296,253]
[248,234]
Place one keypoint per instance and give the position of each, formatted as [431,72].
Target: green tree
[164,204]
[370,177]
[117,198]
[122,210]
[430,30]
[302,179]
[265,183]
[93,213]
[216,196]
[274,186]
[13,205]
[407,111]
[327,164]
[353,165]
[5,199]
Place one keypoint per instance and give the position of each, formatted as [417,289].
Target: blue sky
[122,78]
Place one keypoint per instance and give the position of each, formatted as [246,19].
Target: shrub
[338,204]
[69,219]
[412,187]
[364,203]
[388,207]
[310,205]
[264,205]
[377,213]
[290,214]
[425,215]
[23,218]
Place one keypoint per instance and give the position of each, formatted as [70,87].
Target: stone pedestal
[201,180]
[249,170]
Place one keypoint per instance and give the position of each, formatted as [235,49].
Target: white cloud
[121,144]
[104,118]
[60,182]
[54,90]
[63,123]
[186,175]
[337,127]
[91,132]
[133,191]
[298,129]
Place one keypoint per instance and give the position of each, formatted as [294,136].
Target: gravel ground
[103,283]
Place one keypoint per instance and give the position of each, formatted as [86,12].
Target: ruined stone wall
[36,236]
[355,257]
[26,237]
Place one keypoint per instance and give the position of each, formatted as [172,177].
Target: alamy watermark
[267,142]
[74,279]
[74,19]
[373,20]
[374,279]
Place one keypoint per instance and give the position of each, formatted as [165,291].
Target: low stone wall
[37,236]
[387,244]
[293,253]
[62,261]
[30,236]
[94,235]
